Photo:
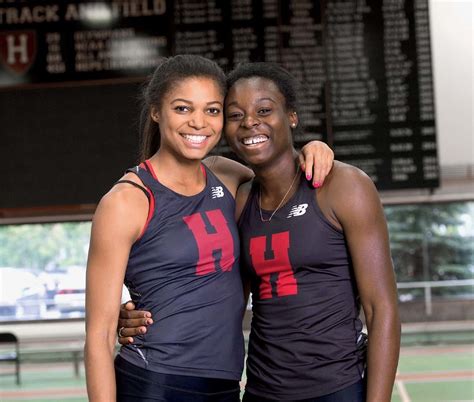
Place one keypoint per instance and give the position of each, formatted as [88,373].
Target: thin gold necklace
[281,202]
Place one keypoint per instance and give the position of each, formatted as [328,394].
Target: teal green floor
[448,374]
[440,374]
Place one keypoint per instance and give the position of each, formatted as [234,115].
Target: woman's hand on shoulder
[316,160]
[231,173]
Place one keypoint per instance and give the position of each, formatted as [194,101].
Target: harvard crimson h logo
[274,260]
[18,50]
[214,241]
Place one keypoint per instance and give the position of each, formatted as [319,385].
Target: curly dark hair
[286,83]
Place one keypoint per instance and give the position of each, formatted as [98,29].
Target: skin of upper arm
[116,225]
[359,212]
[231,173]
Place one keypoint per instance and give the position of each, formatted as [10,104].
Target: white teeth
[255,140]
[196,139]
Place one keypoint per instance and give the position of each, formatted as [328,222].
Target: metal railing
[428,285]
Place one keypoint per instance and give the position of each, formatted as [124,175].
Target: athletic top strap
[136,185]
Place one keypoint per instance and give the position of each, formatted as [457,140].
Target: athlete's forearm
[100,373]
[383,350]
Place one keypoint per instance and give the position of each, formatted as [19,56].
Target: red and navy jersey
[184,269]
[305,325]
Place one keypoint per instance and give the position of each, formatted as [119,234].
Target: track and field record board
[70,74]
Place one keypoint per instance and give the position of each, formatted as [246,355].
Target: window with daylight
[43,265]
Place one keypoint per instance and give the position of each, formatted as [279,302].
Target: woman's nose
[198,121]
[250,121]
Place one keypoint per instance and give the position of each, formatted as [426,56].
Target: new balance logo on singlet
[217,192]
[297,210]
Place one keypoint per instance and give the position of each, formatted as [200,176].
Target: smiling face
[190,118]
[257,122]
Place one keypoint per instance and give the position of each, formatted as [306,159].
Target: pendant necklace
[281,202]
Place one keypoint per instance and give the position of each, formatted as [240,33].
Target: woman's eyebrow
[190,102]
[181,100]
[258,100]
[268,99]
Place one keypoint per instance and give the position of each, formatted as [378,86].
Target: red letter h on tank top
[280,264]
[210,243]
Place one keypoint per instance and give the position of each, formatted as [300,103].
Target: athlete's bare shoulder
[125,192]
[343,173]
[346,190]
[345,180]
[124,202]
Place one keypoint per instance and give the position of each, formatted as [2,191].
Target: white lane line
[402,391]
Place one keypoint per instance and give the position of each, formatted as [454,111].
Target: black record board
[365,69]
[57,41]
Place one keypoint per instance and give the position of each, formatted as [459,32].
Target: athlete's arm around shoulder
[117,223]
[230,172]
[352,201]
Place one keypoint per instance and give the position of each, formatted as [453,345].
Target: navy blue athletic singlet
[305,326]
[185,271]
